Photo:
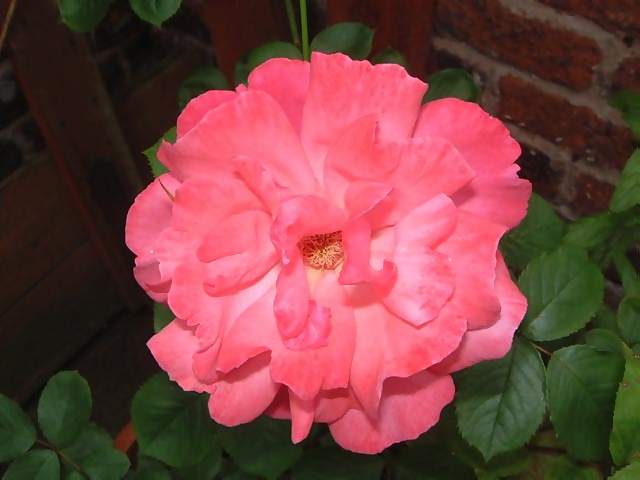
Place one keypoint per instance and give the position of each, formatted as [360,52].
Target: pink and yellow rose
[329,248]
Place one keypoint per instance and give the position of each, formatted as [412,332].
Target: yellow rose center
[323,251]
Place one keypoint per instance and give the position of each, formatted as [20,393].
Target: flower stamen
[322,251]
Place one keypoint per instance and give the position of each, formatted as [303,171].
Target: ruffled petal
[484,141]
[243,394]
[308,371]
[496,194]
[495,341]
[149,215]
[222,135]
[409,407]
[173,348]
[417,169]
[501,198]
[425,278]
[237,252]
[387,346]
[302,415]
[472,249]
[342,90]
[198,107]
[287,81]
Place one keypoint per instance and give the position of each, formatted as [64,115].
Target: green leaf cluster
[83,16]
[71,447]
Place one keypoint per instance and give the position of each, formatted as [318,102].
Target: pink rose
[329,248]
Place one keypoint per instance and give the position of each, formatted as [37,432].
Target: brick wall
[547,68]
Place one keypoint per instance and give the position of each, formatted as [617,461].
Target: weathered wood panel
[73,110]
[152,108]
[48,325]
[237,26]
[39,226]
[405,25]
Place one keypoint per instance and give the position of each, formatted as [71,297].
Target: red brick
[533,45]
[577,128]
[628,75]
[591,195]
[536,167]
[613,15]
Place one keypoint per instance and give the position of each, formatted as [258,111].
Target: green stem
[293,24]
[62,456]
[304,27]
[543,350]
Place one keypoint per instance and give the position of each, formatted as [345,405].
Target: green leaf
[74,476]
[337,464]
[201,80]
[629,319]
[564,290]
[605,340]
[541,231]
[83,15]
[591,232]
[581,388]
[607,319]
[627,272]
[625,435]
[64,408]
[162,316]
[429,463]
[631,472]
[241,73]
[628,102]
[172,425]
[558,467]
[451,82]
[206,469]
[90,439]
[351,38]
[261,54]
[34,465]
[155,12]
[490,396]
[150,469]
[151,153]
[390,55]
[93,451]
[447,433]
[262,447]
[17,433]
[105,464]
[627,191]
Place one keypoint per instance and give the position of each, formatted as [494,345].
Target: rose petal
[173,348]
[222,135]
[409,407]
[425,278]
[342,90]
[286,81]
[243,394]
[198,107]
[495,341]
[472,249]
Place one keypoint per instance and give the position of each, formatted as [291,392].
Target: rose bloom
[329,248]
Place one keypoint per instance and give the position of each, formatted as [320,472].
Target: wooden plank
[47,326]
[121,347]
[40,226]
[152,108]
[237,26]
[72,108]
[405,25]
